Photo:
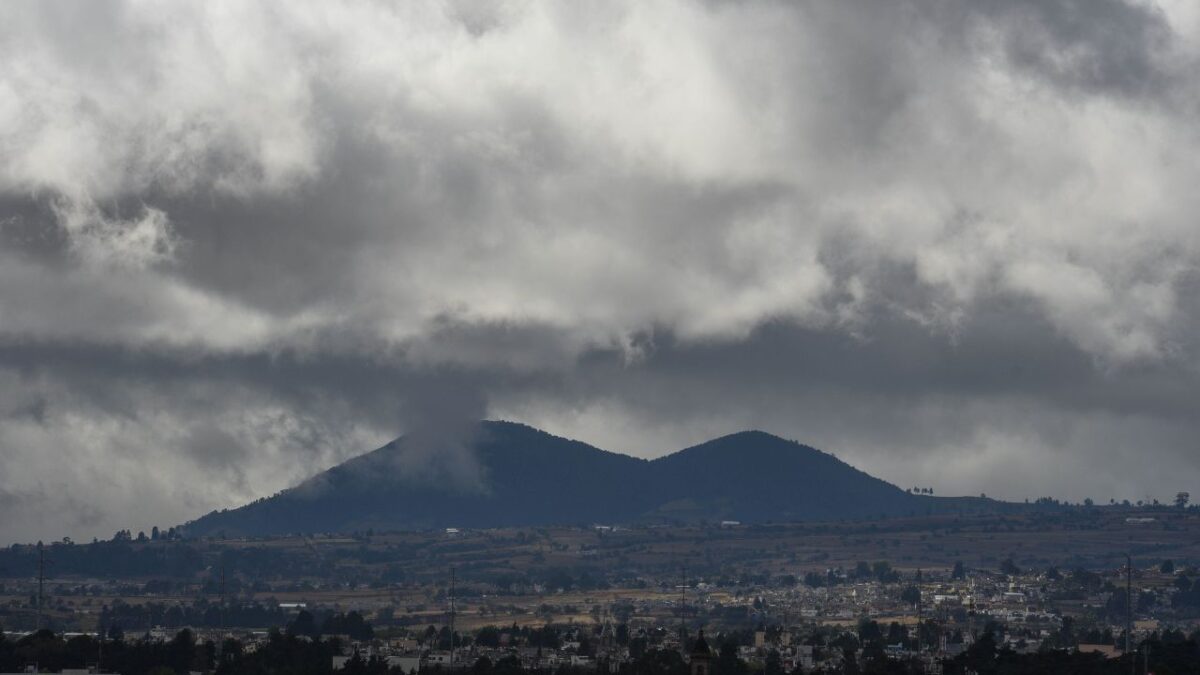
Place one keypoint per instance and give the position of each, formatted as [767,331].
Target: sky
[953,242]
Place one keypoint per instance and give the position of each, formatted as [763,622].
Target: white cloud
[364,181]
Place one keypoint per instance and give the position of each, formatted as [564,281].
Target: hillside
[753,476]
[529,477]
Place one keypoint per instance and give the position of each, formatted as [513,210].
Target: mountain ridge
[524,476]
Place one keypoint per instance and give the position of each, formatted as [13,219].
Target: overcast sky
[953,242]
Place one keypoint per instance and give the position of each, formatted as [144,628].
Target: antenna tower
[41,593]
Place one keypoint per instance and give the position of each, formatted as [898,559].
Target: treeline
[176,564]
[1170,654]
[880,571]
[290,654]
[123,617]
[167,559]
[117,558]
[1187,595]
[50,652]
[280,654]
[545,637]
[329,623]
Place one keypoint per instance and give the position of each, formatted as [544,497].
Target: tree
[1009,567]
[774,664]
[1167,567]
[1181,499]
[869,631]
[959,572]
[849,663]
[304,624]
[637,647]
[884,572]
[488,636]
[981,655]
[728,662]
[508,665]
[911,595]
[352,624]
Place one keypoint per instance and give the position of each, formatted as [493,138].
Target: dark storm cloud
[953,241]
[918,402]
[1109,46]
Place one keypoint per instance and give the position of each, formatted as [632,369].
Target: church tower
[701,657]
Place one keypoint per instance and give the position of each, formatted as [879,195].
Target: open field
[1097,538]
[531,576]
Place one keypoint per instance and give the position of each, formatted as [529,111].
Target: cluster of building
[805,626]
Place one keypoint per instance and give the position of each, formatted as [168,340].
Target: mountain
[754,477]
[516,475]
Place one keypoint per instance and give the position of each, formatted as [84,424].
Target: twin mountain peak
[504,474]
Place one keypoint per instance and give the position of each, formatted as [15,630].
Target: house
[804,657]
[1109,651]
[408,663]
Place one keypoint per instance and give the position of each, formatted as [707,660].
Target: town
[358,609]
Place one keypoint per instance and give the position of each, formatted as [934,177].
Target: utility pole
[222,595]
[784,629]
[452,611]
[682,615]
[918,619]
[1129,614]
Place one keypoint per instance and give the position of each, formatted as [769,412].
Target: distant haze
[954,243]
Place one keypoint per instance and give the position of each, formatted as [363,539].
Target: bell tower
[701,657]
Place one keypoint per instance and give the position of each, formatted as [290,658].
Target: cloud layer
[954,242]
